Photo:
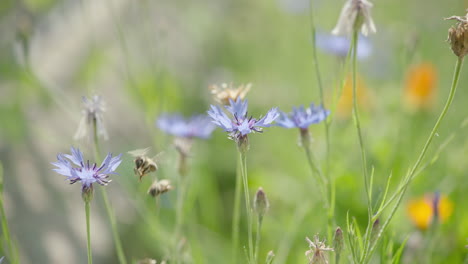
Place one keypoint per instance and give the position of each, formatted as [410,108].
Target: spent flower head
[355,16]
[223,93]
[240,125]
[92,118]
[197,126]
[75,168]
[458,36]
[316,253]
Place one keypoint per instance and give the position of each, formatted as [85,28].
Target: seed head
[316,253]
[458,36]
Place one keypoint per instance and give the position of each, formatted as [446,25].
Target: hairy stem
[88,232]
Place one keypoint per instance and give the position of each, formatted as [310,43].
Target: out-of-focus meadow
[149,57]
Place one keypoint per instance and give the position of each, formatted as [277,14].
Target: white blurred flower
[92,116]
[355,15]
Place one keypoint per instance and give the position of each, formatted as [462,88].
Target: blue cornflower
[76,169]
[199,126]
[302,117]
[339,45]
[241,125]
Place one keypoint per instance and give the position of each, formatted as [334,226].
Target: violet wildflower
[199,126]
[340,45]
[355,16]
[241,124]
[76,169]
[92,122]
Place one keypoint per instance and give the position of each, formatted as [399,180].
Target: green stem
[179,215]
[88,232]
[236,213]
[330,181]
[361,141]
[243,164]
[257,240]
[107,205]
[317,174]
[413,170]
[6,233]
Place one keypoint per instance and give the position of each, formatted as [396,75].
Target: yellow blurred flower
[420,87]
[223,93]
[345,102]
[422,211]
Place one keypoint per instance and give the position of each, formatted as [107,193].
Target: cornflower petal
[269,118]
[238,107]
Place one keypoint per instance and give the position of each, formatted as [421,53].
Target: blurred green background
[147,57]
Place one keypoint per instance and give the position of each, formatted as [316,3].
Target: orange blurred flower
[423,211]
[345,103]
[420,87]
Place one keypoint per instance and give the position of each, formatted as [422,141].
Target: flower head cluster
[92,117]
[302,117]
[222,94]
[316,253]
[458,36]
[355,15]
[339,45]
[241,124]
[199,126]
[76,169]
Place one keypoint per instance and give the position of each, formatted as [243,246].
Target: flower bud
[338,241]
[243,144]
[270,257]
[458,36]
[261,203]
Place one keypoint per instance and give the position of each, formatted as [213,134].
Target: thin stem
[257,240]
[6,232]
[317,174]
[107,205]
[88,232]
[179,215]
[236,213]
[413,170]
[330,181]
[243,164]
[360,139]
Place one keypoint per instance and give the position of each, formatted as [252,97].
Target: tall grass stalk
[357,123]
[107,205]
[411,174]
[182,180]
[12,254]
[88,232]
[236,213]
[330,182]
[248,206]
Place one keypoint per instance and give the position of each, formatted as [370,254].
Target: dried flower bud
[458,36]
[222,94]
[338,241]
[261,203]
[147,261]
[270,257]
[159,187]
